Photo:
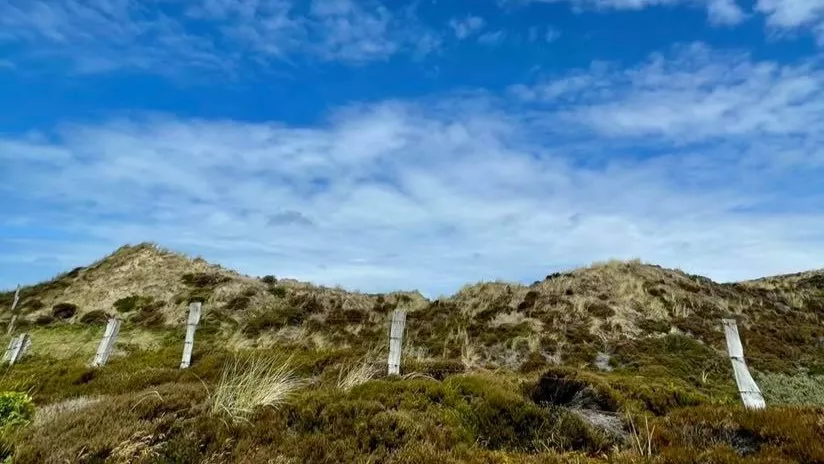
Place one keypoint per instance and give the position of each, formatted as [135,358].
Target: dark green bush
[75,272]
[131,303]
[278,291]
[535,361]
[273,319]
[203,279]
[64,310]
[44,319]
[269,279]
[95,317]
[565,387]
[242,301]
[598,309]
[654,326]
[149,316]
[529,300]
[502,418]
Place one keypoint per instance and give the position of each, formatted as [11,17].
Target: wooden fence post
[396,341]
[20,348]
[13,313]
[750,393]
[107,343]
[191,326]
[17,348]
[9,349]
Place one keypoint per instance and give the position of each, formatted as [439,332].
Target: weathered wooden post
[20,348]
[191,326]
[396,340]
[107,343]
[17,348]
[7,354]
[750,393]
[13,313]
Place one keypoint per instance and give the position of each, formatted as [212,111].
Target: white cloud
[791,13]
[350,33]
[694,94]
[492,38]
[725,12]
[794,15]
[552,34]
[167,35]
[718,11]
[466,27]
[548,34]
[781,15]
[677,162]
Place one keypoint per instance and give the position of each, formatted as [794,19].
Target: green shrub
[792,434]
[241,302]
[75,272]
[149,315]
[796,389]
[565,387]
[97,316]
[16,408]
[64,310]
[271,319]
[675,355]
[500,417]
[438,369]
[529,300]
[131,303]
[44,319]
[599,309]
[654,326]
[269,279]
[195,295]
[535,361]
[203,279]
[278,291]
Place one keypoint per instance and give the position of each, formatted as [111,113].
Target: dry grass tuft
[247,384]
[470,352]
[357,374]
[50,412]
[642,439]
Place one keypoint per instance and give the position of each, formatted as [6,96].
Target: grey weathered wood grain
[750,393]
[20,347]
[107,343]
[191,327]
[396,340]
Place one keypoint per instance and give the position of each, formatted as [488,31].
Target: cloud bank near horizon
[694,159]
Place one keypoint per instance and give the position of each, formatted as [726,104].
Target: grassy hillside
[618,362]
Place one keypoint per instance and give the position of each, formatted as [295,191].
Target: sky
[413,145]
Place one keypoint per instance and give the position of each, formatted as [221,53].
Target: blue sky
[413,145]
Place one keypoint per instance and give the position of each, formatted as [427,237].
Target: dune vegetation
[619,362]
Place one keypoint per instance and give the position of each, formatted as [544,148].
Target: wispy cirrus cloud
[467,26]
[782,16]
[692,94]
[492,38]
[167,35]
[697,159]
[726,12]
